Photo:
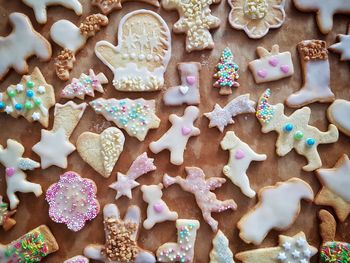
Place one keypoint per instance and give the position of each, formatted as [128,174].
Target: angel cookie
[338,114]
[294,132]
[107,6]
[121,238]
[256,17]
[142,55]
[343,46]
[32,98]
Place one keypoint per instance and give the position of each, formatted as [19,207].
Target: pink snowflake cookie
[72,201]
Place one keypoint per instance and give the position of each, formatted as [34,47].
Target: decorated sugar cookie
[142,55]
[107,6]
[35,45]
[278,208]
[72,38]
[157,210]
[290,249]
[188,91]
[77,259]
[136,117]
[176,138]
[11,158]
[338,114]
[31,98]
[201,188]
[85,85]
[221,252]
[39,7]
[272,65]
[256,17]
[142,165]
[72,201]
[294,132]
[314,59]
[31,247]
[336,182]
[54,146]
[195,21]
[343,46]
[5,216]
[221,117]
[121,238]
[241,155]
[183,250]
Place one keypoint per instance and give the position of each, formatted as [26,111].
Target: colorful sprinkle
[227,70]
[335,252]
[265,111]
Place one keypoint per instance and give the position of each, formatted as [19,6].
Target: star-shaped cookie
[336,184]
[343,46]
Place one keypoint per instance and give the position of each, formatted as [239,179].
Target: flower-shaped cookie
[256,17]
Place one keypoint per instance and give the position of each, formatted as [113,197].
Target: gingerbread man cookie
[107,6]
[343,46]
[5,216]
[338,114]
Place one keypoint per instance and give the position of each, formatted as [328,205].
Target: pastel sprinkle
[265,111]
[227,70]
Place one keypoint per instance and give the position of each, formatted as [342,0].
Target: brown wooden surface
[203,151]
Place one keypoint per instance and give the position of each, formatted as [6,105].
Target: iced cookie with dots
[15,165]
[221,252]
[294,132]
[31,98]
[183,249]
[6,222]
[195,21]
[338,114]
[23,32]
[343,46]
[107,6]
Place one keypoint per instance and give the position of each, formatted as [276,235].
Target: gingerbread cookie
[5,216]
[142,55]
[241,155]
[201,188]
[256,17]
[142,165]
[188,91]
[195,21]
[272,65]
[121,238]
[314,59]
[35,45]
[183,250]
[72,38]
[278,208]
[11,158]
[107,6]
[39,7]
[221,117]
[336,182]
[136,117]
[343,46]
[176,138]
[294,132]
[77,259]
[221,252]
[32,98]
[338,114]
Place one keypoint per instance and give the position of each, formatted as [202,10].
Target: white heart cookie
[101,151]
[338,114]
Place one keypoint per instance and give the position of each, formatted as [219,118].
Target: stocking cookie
[85,85]
[107,6]
[201,188]
[343,46]
[157,210]
[54,146]
[35,45]
[136,117]
[121,238]
[5,216]
[195,21]
[31,98]
[31,247]
[176,138]
[183,250]
[126,183]
[188,91]
[314,59]
[11,158]
[335,183]
[294,132]
[272,65]
[227,73]
[221,117]
[77,259]
[290,249]
[338,114]
[39,7]
[72,38]
[221,252]
[241,155]
[278,208]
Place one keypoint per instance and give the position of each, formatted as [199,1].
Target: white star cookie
[343,47]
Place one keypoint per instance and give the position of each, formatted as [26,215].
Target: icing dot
[28,105]
[37,101]
[18,106]
[2,105]
[11,93]
[298,135]
[310,142]
[30,93]
[10,171]
[30,84]
[288,127]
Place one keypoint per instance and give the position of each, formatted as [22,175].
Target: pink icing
[191,80]
[284,69]
[10,171]
[239,154]
[262,73]
[273,62]
[186,130]
[158,207]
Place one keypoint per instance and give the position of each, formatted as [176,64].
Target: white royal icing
[338,114]
[221,252]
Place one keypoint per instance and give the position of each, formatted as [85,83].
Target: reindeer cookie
[241,155]
[176,138]
[278,208]
[183,250]
[5,216]
[35,44]
[142,55]
[196,184]
[107,6]
[294,132]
